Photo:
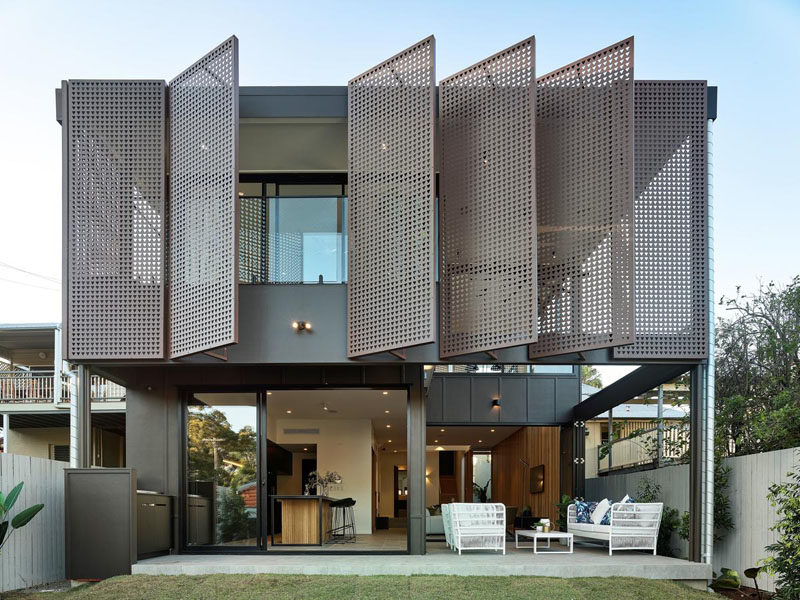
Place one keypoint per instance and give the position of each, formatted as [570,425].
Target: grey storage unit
[99,522]
[153,523]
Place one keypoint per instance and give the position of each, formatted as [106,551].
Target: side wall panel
[203,254]
[391,269]
[670,221]
[115,183]
[584,187]
[487,204]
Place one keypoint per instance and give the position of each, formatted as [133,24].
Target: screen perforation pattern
[203,253]
[584,187]
[670,222]
[115,214]
[391,268]
[487,204]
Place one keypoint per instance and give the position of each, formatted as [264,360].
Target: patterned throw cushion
[584,510]
[607,517]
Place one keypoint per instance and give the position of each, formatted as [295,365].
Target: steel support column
[696,464]
[416,460]
[80,426]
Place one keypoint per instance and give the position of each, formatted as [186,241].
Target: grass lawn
[333,587]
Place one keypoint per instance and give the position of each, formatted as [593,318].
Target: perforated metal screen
[584,191]
[670,221]
[115,219]
[203,266]
[391,269]
[487,204]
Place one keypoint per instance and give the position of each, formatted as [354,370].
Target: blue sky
[749,49]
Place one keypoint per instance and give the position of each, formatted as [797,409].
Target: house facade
[379,282]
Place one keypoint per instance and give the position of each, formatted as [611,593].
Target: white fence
[750,478]
[35,553]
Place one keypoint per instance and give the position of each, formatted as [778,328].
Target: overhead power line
[41,287]
[48,278]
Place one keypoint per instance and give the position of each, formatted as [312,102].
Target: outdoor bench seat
[632,526]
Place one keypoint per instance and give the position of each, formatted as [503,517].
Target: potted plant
[481,491]
[21,519]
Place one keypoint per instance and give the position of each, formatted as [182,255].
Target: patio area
[586,561]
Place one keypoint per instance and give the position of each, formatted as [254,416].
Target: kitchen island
[305,520]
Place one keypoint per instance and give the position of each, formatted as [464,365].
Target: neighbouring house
[391,283]
[36,387]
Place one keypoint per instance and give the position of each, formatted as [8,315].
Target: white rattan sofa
[475,526]
[633,526]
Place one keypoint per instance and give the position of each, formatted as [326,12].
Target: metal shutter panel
[391,269]
[670,222]
[584,187]
[487,204]
[114,219]
[203,228]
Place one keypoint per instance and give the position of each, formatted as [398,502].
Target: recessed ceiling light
[305,449]
[385,393]
[492,430]
[288,412]
[390,441]
[269,393]
[388,427]
[441,430]
[480,441]
[435,441]
[439,449]
[395,451]
[386,411]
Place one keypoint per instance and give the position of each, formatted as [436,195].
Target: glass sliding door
[222,470]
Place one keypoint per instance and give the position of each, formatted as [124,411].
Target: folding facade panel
[391,268]
[114,219]
[584,191]
[487,204]
[203,265]
[670,222]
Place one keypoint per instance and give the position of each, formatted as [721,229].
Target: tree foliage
[591,376]
[210,432]
[786,550]
[758,370]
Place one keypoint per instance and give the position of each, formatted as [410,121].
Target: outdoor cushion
[584,510]
[599,513]
[590,527]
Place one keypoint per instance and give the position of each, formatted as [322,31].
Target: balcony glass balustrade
[286,240]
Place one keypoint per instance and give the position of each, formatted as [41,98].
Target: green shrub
[786,551]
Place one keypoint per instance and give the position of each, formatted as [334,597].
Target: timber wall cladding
[391,221]
[670,221]
[203,266]
[537,446]
[584,192]
[115,215]
[487,204]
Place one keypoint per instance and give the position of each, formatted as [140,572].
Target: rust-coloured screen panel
[670,222]
[390,226]
[487,204]
[203,266]
[584,191]
[115,219]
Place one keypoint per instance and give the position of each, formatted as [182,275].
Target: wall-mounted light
[301,326]
[495,402]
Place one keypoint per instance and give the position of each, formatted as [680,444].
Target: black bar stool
[343,521]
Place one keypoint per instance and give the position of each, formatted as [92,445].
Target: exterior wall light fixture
[301,326]
[495,402]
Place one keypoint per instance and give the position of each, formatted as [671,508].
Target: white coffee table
[541,535]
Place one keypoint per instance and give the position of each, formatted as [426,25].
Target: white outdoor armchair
[476,526]
[633,526]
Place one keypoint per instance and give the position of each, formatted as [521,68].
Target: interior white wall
[344,446]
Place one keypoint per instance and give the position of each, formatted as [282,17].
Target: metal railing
[35,387]
[642,449]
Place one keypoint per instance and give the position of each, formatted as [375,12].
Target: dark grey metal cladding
[524,399]
[99,522]
[456,394]
[153,523]
[292,102]
[483,390]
